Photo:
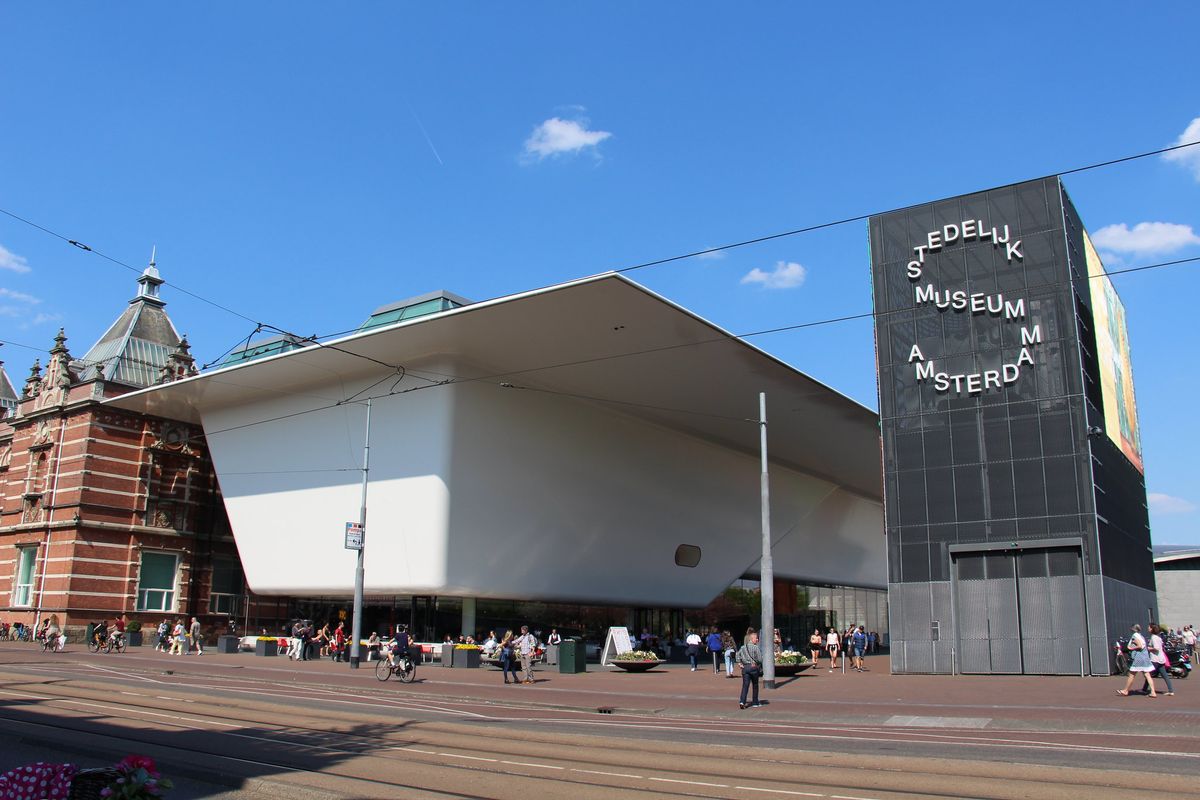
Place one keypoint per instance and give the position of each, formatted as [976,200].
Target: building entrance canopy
[557,444]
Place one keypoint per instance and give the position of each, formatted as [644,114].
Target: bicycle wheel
[383,670]
[408,671]
[1122,664]
[120,645]
[94,646]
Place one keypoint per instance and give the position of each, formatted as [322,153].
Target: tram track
[492,751]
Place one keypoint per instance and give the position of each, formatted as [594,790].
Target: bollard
[1082,674]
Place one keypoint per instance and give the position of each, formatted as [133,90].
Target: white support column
[468,616]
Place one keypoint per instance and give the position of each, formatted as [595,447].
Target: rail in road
[381,743]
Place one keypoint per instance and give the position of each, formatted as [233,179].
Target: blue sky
[304,164]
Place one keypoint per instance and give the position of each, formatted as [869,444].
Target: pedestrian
[814,648]
[508,662]
[1140,662]
[858,643]
[197,639]
[339,642]
[832,645]
[714,646]
[323,638]
[178,638]
[163,632]
[729,647]
[1158,657]
[749,658]
[693,648]
[526,645]
[554,638]
[872,642]
[1189,641]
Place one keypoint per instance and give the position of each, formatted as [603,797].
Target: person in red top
[339,642]
[118,628]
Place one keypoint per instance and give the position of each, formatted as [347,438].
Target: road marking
[937,722]
[472,758]
[850,797]
[527,764]
[779,791]
[691,783]
[612,774]
[122,674]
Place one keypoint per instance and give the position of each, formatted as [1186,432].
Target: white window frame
[170,599]
[22,593]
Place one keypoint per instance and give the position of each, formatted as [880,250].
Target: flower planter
[448,655]
[788,670]
[229,644]
[466,658]
[266,647]
[635,666]
[134,638]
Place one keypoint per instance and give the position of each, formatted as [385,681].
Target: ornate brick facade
[104,512]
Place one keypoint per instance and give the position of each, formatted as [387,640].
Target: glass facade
[990,400]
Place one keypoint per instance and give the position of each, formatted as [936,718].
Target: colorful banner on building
[1112,351]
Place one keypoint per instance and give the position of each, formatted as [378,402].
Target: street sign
[354,536]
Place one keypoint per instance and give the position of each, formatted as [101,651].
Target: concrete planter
[468,659]
[134,638]
[229,644]
[266,647]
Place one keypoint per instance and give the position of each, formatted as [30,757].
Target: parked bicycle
[404,668]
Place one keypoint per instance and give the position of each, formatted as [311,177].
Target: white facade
[538,489]
[1177,578]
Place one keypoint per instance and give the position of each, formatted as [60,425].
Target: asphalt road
[225,728]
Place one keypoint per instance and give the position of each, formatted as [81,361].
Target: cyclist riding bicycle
[399,647]
[118,630]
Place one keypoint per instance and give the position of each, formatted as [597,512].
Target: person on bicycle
[399,648]
[54,635]
[100,633]
[118,630]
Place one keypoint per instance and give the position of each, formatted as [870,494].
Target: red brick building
[104,512]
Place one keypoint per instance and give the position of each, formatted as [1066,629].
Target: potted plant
[133,633]
[467,655]
[266,646]
[636,661]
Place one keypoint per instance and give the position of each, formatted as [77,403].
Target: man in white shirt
[693,642]
[526,645]
[1189,640]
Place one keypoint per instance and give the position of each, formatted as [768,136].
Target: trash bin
[552,655]
[228,644]
[572,656]
[91,631]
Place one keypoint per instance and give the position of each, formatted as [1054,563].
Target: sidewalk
[874,698]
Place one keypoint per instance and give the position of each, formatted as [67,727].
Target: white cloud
[786,275]
[712,255]
[20,297]
[1145,238]
[557,136]
[11,261]
[1110,260]
[1166,504]
[1189,157]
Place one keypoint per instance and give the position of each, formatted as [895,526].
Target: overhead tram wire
[782,329]
[861,217]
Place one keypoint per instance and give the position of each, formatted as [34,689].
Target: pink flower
[106,791]
[133,763]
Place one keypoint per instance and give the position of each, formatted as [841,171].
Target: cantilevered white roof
[604,339]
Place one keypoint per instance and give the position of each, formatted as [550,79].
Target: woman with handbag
[1140,664]
[750,660]
[1158,657]
[507,662]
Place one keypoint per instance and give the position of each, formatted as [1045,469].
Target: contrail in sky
[425,133]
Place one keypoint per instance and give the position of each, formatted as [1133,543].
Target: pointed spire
[149,282]
[180,364]
[34,382]
[60,344]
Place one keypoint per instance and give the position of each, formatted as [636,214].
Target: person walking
[729,647]
[858,644]
[749,658]
[339,643]
[1140,662]
[197,638]
[1158,657]
[693,648]
[164,637]
[178,638]
[526,645]
[713,640]
[832,645]
[814,648]
[508,662]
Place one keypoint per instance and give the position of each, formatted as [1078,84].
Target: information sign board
[354,536]
[615,643]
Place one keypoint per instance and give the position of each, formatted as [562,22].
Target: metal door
[986,612]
